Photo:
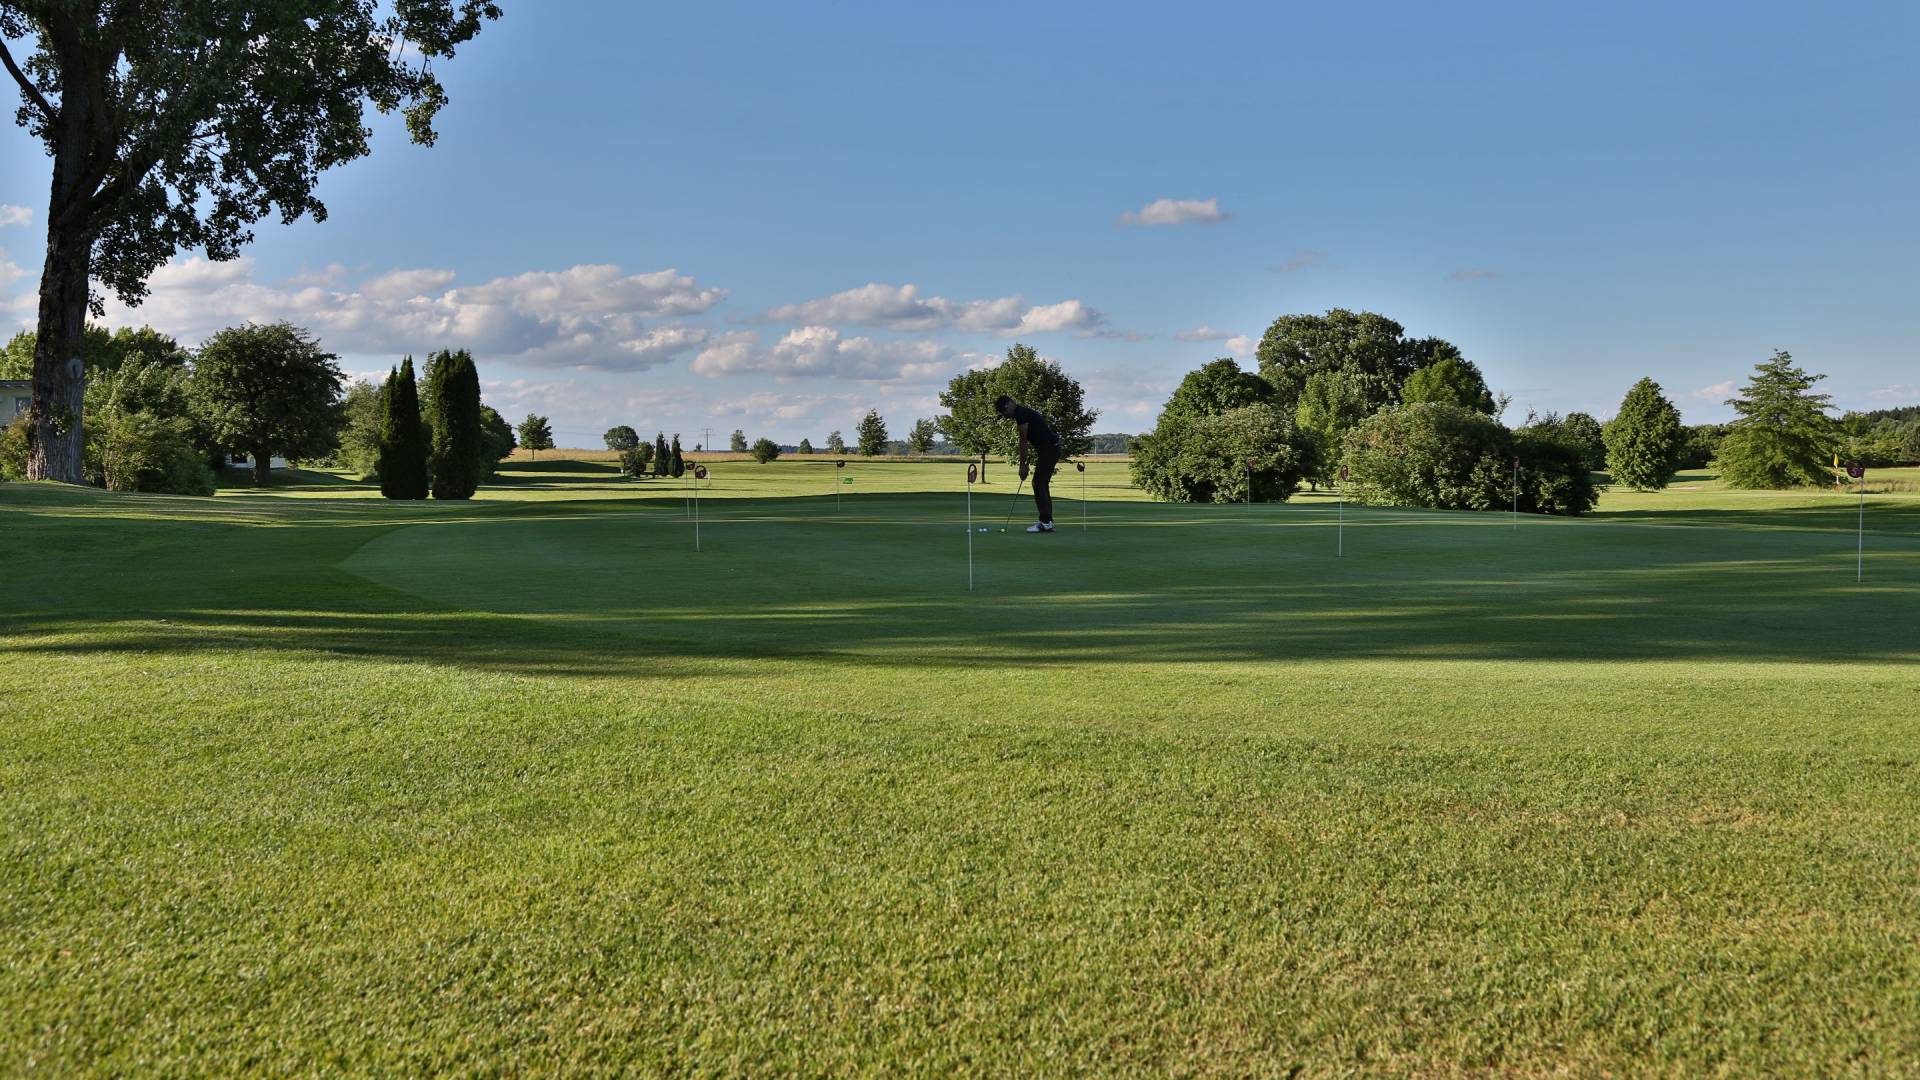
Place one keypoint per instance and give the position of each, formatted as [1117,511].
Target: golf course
[305,781]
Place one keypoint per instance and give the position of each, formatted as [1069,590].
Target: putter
[1016,504]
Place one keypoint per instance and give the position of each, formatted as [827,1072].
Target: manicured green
[306,781]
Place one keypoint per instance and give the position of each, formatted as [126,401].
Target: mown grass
[303,781]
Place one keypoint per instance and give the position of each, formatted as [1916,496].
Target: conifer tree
[679,463]
[1783,435]
[453,388]
[662,460]
[403,443]
[1644,439]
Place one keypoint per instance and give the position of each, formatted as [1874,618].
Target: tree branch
[32,92]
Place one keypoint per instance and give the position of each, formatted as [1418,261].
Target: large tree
[179,124]
[269,389]
[1783,434]
[1644,439]
[453,388]
[1332,403]
[1453,380]
[1214,388]
[872,434]
[621,438]
[403,438]
[1296,346]
[972,424]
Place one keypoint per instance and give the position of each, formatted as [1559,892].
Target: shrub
[634,459]
[765,450]
[13,450]
[141,451]
[1204,458]
[1438,456]
[1554,474]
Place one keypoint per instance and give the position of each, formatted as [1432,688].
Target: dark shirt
[1039,432]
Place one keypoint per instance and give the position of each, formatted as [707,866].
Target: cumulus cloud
[11,215]
[1474,275]
[1305,260]
[1176,212]
[1242,345]
[1203,333]
[9,272]
[812,351]
[903,308]
[589,316]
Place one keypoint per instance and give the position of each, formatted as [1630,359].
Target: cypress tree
[453,388]
[662,461]
[679,464]
[403,444]
[1643,441]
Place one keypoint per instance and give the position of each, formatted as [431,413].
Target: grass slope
[305,781]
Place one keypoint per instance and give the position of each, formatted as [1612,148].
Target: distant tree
[621,438]
[1700,444]
[536,434]
[454,462]
[1438,456]
[1585,433]
[180,125]
[737,442]
[365,413]
[806,446]
[496,439]
[269,389]
[920,439]
[765,450]
[1332,403]
[403,439]
[1643,439]
[1451,381]
[1782,436]
[836,444]
[971,423]
[634,459]
[662,457]
[679,464]
[1296,346]
[1214,388]
[872,433]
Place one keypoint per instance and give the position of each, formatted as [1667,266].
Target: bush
[1204,458]
[13,450]
[765,450]
[1438,456]
[140,451]
[1555,475]
[634,459]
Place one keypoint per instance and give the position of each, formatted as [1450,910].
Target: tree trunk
[262,467]
[55,436]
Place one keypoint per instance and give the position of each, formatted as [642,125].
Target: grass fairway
[306,781]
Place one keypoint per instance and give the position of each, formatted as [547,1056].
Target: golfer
[1035,431]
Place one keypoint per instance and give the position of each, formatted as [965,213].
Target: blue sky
[858,200]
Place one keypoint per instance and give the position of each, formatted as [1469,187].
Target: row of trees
[442,445]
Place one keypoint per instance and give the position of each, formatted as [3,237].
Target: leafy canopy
[972,424]
[269,389]
[1782,436]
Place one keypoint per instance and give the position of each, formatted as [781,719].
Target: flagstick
[969,528]
[1340,531]
[1860,534]
[1516,493]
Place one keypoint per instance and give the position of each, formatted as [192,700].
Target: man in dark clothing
[1035,432]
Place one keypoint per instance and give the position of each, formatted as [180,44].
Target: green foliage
[1554,475]
[1586,433]
[872,433]
[920,439]
[737,442]
[765,450]
[1878,442]
[678,465]
[662,457]
[536,434]
[13,449]
[403,437]
[1331,404]
[453,387]
[1449,381]
[621,438]
[634,459]
[1783,436]
[806,446]
[1205,458]
[496,438]
[1297,346]
[1644,439]
[100,350]
[836,444]
[142,432]
[1214,388]
[1439,456]
[365,413]
[1700,444]
[269,389]
[971,423]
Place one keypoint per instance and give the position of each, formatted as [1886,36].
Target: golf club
[1016,504]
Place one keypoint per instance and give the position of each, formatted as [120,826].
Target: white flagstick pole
[1516,492]
[970,475]
[696,509]
[1082,466]
[1860,534]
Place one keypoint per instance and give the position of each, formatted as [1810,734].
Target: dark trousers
[1045,459]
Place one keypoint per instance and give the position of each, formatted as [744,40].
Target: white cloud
[811,351]
[588,316]
[901,307]
[1715,394]
[1203,333]
[1897,392]
[11,215]
[1242,345]
[1129,336]
[1176,212]
[9,272]
[1474,275]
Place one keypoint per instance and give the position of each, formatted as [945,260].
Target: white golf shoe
[1040,527]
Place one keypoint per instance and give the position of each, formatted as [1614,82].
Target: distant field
[306,781]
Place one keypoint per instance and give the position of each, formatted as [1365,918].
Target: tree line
[165,418]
